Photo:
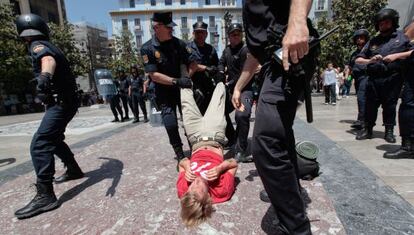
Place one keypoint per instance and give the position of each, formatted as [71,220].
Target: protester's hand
[295,43]
[189,175]
[213,174]
[236,100]
[390,58]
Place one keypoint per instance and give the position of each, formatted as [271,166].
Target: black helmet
[387,13]
[29,25]
[235,26]
[360,32]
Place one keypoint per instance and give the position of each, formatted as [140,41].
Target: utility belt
[380,70]
[56,99]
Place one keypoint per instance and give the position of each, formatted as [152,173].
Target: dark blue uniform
[361,80]
[123,94]
[232,62]
[137,96]
[406,111]
[273,142]
[49,138]
[203,84]
[384,88]
[166,58]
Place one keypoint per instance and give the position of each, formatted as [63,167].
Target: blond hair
[195,210]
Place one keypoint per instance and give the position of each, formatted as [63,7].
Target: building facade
[320,8]
[135,15]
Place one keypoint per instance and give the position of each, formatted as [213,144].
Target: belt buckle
[204,138]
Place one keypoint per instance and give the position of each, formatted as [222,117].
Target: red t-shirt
[221,189]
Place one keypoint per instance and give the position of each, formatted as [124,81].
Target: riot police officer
[56,87]
[273,142]
[360,38]
[124,83]
[165,60]
[382,55]
[406,110]
[137,89]
[207,60]
[231,63]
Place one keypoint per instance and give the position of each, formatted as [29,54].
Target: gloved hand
[44,83]
[211,70]
[183,82]
[220,77]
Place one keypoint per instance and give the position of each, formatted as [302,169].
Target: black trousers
[136,99]
[330,93]
[273,150]
[49,141]
[169,117]
[406,111]
[361,88]
[125,102]
[230,131]
[115,106]
[384,92]
[243,120]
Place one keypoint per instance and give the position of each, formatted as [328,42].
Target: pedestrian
[207,60]
[165,60]
[136,91]
[231,63]
[339,82]
[383,55]
[406,110]
[273,140]
[329,78]
[360,38]
[204,178]
[56,88]
[123,87]
[347,82]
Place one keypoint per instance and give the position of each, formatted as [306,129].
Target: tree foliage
[126,52]
[62,37]
[349,15]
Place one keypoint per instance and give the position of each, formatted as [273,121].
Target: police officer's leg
[143,107]
[124,99]
[135,109]
[361,99]
[112,104]
[118,106]
[371,110]
[243,126]
[390,92]
[230,131]
[169,117]
[192,118]
[275,164]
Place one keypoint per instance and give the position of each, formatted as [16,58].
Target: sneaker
[326,103]
[333,103]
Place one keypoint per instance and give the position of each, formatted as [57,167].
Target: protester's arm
[249,69]
[229,165]
[295,42]
[184,166]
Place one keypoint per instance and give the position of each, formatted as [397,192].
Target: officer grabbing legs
[360,38]
[382,55]
[165,60]
[406,111]
[56,87]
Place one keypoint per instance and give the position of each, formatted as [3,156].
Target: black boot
[264,196]
[405,151]
[145,118]
[365,133]
[73,172]
[389,134]
[45,200]
[115,120]
[357,125]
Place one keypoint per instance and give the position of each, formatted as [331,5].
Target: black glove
[182,82]
[377,69]
[212,71]
[44,83]
[220,77]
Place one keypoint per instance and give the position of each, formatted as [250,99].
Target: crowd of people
[191,79]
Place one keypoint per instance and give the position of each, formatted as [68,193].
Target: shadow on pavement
[111,169]
[388,147]
[347,121]
[252,174]
[7,161]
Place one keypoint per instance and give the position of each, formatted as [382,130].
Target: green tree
[62,37]
[15,68]
[126,52]
[349,15]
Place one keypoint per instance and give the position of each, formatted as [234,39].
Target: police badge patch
[38,48]
[145,58]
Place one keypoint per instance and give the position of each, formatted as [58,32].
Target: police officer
[137,89]
[165,60]
[56,87]
[207,60]
[382,56]
[231,63]
[273,142]
[108,89]
[360,38]
[406,110]
[124,83]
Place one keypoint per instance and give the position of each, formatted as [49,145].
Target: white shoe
[326,103]
[333,103]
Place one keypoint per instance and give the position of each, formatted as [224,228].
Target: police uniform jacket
[166,58]
[63,80]
[358,70]
[124,85]
[137,84]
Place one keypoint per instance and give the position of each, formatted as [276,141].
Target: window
[132,3]
[138,40]
[153,2]
[124,24]
[199,18]
[184,22]
[182,2]
[137,24]
[168,2]
[212,21]
[208,2]
[320,5]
